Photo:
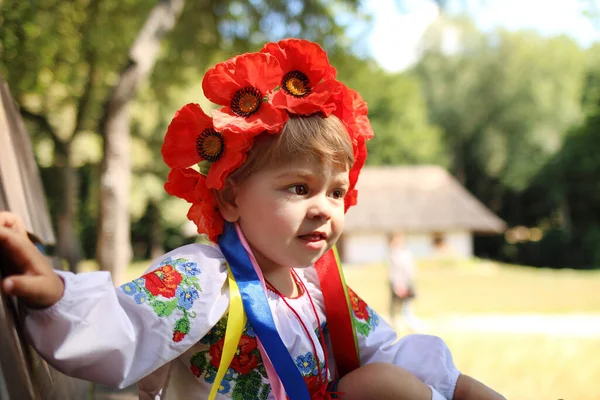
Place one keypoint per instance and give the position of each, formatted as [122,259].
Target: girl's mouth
[313,237]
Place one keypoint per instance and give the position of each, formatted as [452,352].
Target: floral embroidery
[246,376]
[172,288]
[365,319]
[163,281]
[307,364]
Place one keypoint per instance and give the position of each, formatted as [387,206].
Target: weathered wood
[20,182]
[23,374]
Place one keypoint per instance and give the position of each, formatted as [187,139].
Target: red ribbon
[338,312]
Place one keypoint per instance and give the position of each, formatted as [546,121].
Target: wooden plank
[24,375]
[19,176]
[16,376]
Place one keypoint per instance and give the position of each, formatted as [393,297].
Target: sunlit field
[521,365]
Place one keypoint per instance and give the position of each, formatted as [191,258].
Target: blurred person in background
[402,271]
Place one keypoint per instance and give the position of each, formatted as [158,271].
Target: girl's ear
[227,204]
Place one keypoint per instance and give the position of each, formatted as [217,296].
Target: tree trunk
[114,245]
[156,231]
[69,245]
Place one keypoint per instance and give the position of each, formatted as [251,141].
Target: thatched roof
[21,188]
[417,199]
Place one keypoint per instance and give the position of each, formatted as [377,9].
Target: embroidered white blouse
[165,331]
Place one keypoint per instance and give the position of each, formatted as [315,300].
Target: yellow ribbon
[233,333]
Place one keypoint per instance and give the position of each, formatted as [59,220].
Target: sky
[400,30]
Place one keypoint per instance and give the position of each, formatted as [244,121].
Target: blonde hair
[324,139]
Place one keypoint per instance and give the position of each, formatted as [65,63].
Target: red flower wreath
[361,115]
[241,85]
[182,183]
[305,86]
[204,212]
[191,138]
[257,91]
[360,156]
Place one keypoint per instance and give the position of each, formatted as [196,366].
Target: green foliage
[397,112]
[504,100]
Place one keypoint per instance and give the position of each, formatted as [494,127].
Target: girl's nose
[320,208]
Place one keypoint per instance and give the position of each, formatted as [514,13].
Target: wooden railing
[23,374]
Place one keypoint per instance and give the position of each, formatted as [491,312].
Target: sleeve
[425,356]
[116,336]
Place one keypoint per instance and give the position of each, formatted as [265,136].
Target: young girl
[263,313]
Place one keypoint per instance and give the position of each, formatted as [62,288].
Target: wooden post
[23,374]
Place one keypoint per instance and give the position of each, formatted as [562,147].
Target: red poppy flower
[305,86]
[163,281]
[358,306]
[241,85]
[351,199]
[182,182]
[352,110]
[205,214]
[192,138]
[361,112]
[359,147]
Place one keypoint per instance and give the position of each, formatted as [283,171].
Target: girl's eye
[338,194]
[299,190]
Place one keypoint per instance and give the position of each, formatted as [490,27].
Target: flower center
[246,101]
[296,84]
[209,145]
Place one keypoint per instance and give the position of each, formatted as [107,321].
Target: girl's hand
[30,276]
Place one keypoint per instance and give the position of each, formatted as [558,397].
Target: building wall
[371,247]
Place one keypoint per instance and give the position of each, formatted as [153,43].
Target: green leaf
[164,308]
[182,325]
[199,360]
[362,328]
[247,386]
[264,394]
[191,281]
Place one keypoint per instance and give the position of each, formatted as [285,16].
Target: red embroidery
[358,306]
[178,336]
[245,358]
[163,281]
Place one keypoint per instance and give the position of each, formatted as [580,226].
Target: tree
[503,100]
[114,248]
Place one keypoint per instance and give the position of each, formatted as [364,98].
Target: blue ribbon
[259,314]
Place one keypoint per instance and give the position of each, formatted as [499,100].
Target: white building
[422,202]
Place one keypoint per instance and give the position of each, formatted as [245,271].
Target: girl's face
[291,215]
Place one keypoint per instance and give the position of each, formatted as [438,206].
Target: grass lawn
[485,287]
[521,366]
